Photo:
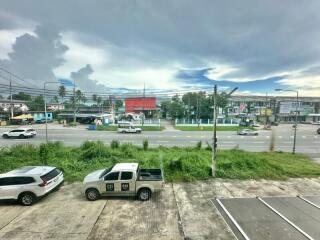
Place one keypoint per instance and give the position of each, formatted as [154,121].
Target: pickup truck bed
[150,175]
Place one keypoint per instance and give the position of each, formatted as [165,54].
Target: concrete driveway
[181,211]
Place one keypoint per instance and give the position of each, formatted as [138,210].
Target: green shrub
[189,166]
[91,150]
[199,145]
[114,144]
[145,144]
[128,150]
[44,151]
[209,146]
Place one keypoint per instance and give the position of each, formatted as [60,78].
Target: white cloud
[113,66]
[78,55]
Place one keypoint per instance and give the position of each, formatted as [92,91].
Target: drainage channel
[271,217]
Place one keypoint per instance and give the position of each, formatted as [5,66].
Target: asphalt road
[307,139]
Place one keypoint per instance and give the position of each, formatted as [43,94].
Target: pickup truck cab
[123,179]
[127,127]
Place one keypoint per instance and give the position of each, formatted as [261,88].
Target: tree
[165,107]
[55,99]
[194,105]
[176,109]
[95,97]
[118,104]
[106,103]
[80,97]
[99,101]
[36,104]
[62,92]
[21,96]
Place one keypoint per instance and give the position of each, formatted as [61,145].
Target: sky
[165,45]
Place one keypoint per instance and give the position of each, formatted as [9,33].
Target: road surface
[308,140]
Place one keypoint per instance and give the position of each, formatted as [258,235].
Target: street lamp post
[45,107]
[296,117]
[214,137]
[74,102]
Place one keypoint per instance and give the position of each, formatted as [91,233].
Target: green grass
[209,128]
[107,128]
[179,164]
[151,128]
[144,128]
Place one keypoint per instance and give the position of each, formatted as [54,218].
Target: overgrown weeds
[179,164]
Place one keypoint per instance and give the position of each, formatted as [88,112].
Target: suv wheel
[27,199]
[92,194]
[5,136]
[21,136]
[318,131]
[144,194]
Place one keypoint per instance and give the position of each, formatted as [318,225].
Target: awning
[23,116]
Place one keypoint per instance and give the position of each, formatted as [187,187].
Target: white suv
[20,133]
[26,184]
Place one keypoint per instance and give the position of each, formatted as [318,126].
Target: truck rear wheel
[144,194]
[92,194]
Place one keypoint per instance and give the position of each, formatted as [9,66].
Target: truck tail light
[43,184]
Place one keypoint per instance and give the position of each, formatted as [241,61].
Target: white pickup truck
[123,179]
[127,127]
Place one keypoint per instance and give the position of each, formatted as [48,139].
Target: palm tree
[62,92]
[55,99]
[95,98]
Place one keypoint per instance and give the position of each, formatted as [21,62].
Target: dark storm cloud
[83,80]
[34,57]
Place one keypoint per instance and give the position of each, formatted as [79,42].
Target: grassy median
[209,128]
[179,164]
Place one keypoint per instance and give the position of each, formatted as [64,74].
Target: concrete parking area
[181,211]
[271,217]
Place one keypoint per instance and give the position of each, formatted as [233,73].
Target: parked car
[123,179]
[40,121]
[20,133]
[247,132]
[318,130]
[127,127]
[28,183]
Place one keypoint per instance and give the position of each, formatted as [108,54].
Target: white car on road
[123,179]
[247,132]
[20,133]
[28,183]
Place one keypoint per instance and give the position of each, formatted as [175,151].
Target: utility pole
[45,110]
[214,137]
[11,107]
[296,116]
[265,111]
[189,109]
[296,125]
[198,110]
[143,99]
[74,101]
